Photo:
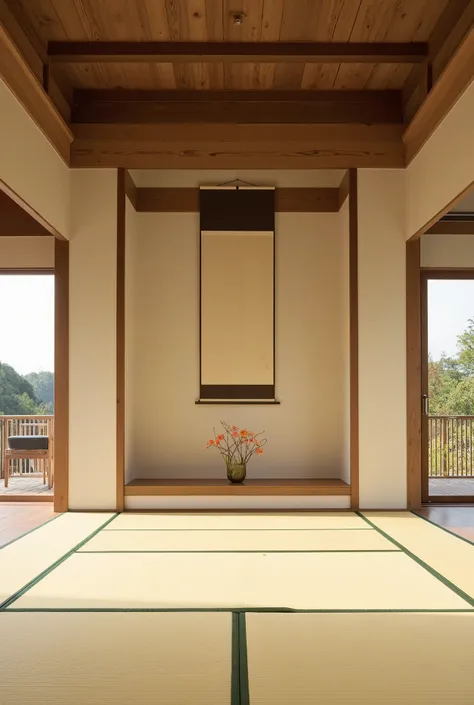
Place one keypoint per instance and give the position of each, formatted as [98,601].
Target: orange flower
[259,451]
[211,443]
[234,428]
[235,434]
[244,433]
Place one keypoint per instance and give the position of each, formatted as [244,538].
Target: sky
[450,306]
[27,319]
[27,322]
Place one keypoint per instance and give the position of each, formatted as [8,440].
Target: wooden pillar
[61,376]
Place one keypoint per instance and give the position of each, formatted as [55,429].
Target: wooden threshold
[249,487]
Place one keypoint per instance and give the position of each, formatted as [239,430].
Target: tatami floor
[280,609]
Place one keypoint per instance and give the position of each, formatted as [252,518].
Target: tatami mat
[446,553]
[115,659]
[349,580]
[371,659]
[329,540]
[23,560]
[240,521]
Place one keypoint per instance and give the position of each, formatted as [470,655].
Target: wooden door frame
[426,274]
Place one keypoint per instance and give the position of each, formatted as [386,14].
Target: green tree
[466,349]
[17,396]
[43,386]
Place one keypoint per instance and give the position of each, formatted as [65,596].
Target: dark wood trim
[228,146]
[237,52]
[354,336]
[287,200]
[131,191]
[61,376]
[50,229]
[238,402]
[236,391]
[16,221]
[452,83]
[120,341]
[49,271]
[452,227]
[282,487]
[237,107]
[414,355]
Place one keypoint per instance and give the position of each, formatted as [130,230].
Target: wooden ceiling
[213,20]
[237,83]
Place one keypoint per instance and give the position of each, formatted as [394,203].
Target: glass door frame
[428,274]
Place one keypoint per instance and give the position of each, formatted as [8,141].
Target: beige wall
[444,167]
[92,382]
[237,316]
[306,431]
[447,251]
[345,326]
[131,270]
[30,166]
[26,252]
[382,336]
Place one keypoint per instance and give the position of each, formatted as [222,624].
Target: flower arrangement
[237,447]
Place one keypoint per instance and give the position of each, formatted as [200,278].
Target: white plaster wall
[30,166]
[447,251]
[265,177]
[306,431]
[382,339]
[26,252]
[444,166]
[92,343]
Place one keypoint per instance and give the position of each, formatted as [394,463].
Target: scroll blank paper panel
[237,304]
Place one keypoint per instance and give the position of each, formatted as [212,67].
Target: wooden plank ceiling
[237,83]
[214,20]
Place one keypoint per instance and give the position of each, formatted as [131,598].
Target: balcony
[29,476]
[450,456]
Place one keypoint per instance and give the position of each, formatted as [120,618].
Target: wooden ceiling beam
[35,57]
[287,200]
[457,76]
[290,107]
[454,23]
[229,146]
[237,52]
[452,227]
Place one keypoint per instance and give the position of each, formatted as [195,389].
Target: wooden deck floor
[25,485]
[452,487]
[16,518]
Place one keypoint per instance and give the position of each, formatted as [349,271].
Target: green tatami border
[235,675]
[5,604]
[238,610]
[191,528]
[262,551]
[243,661]
[452,586]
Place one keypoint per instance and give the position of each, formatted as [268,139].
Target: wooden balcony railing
[450,446]
[24,426]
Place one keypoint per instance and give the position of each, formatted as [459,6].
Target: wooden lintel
[238,52]
[254,107]
[287,200]
[230,146]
